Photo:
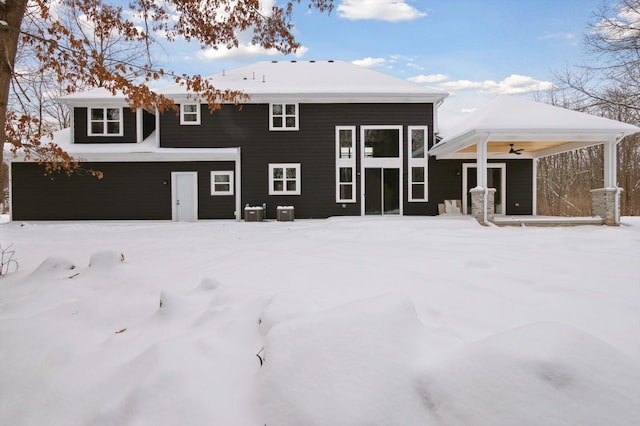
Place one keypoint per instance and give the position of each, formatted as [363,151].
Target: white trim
[284,116]
[105,121]
[422,162]
[284,167]
[139,125]
[534,201]
[157,131]
[503,183]
[229,174]
[381,162]
[238,187]
[343,163]
[174,194]
[183,122]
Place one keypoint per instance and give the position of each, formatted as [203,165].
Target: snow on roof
[509,113]
[335,79]
[515,118]
[97,94]
[146,150]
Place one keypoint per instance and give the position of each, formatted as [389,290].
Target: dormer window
[105,122]
[283,117]
[189,114]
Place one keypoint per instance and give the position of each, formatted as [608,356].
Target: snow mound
[353,365]
[209,284]
[105,259]
[544,373]
[54,265]
[285,306]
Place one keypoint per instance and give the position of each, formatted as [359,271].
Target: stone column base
[477,204]
[605,202]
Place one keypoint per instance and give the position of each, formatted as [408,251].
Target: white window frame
[105,121]
[284,116]
[285,166]
[229,174]
[421,162]
[184,122]
[343,163]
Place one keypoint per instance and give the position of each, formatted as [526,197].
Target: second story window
[105,122]
[189,114]
[283,117]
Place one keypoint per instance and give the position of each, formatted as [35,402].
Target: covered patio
[511,127]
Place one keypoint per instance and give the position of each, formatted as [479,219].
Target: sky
[473,49]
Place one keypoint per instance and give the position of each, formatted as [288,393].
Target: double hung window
[345,164]
[418,163]
[189,114]
[222,183]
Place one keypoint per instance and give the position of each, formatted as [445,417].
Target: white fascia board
[550,135]
[456,144]
[327,98]
[162,154]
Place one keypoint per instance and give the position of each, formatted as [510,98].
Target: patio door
[184,196]
[381,166]
[382,191]
[496,178]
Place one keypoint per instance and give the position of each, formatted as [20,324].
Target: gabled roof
[322,81]
[514,119]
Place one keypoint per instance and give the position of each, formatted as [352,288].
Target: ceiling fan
[515,151]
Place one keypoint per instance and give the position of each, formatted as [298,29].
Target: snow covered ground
[345,321]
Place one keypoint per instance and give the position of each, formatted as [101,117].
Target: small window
[284,179]
[345,164]
[105,122]
[283,117]
[222,183]
[418,163]
[189,114]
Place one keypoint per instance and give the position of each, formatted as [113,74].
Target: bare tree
[608,86]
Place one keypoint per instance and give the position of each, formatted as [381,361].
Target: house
[327,137]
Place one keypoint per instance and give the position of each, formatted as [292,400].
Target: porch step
[546,220]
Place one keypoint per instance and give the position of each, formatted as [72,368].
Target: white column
[481,169]
[611,164]
[481,162]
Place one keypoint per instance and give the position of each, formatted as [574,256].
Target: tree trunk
[11,12]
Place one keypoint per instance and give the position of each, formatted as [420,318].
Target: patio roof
[534,128]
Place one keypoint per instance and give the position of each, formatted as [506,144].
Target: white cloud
[558,36]
[429,79]
[243,51]
[513,85]
[369,62]
[382,10]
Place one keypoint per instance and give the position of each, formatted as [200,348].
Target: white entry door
[184,196]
